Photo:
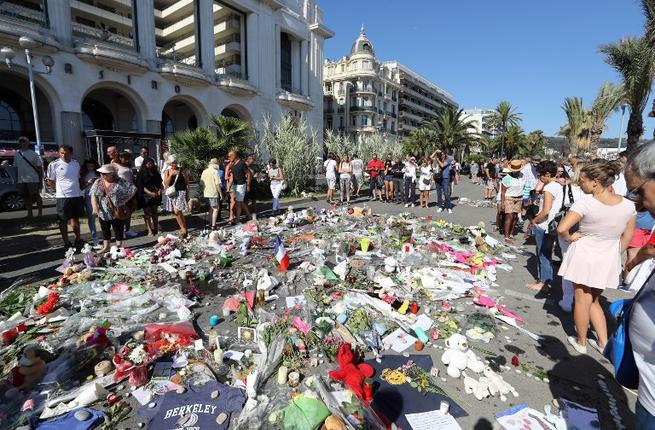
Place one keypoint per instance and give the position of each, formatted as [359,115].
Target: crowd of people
[394,180]
[109,195]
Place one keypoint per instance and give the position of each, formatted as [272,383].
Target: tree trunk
[594,141]
[635,129]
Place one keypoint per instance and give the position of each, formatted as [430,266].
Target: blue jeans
[91,219]
[443,193]
[544,254]
[643,418]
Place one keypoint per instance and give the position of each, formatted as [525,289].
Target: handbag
[559,216]
[122,212]
[170,191]
[284,185]
[426,181]
[619,348]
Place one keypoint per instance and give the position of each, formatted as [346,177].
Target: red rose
[515,361]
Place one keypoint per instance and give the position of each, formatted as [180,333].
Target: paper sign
[433,420]
[233,355]
[198,345]
[399,340]
[424,322]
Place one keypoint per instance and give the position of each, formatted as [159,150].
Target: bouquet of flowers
[132,361]
[49,305]
[330,346]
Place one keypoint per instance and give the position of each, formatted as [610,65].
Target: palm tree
[535,142]
[577,128]
[607,101]
[635,62]
[503,117]
[232,133]
[422,141]
[648,6]
[452,131]
[514,140]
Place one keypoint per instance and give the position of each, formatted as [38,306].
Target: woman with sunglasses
[593,260]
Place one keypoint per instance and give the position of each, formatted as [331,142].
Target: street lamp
[623,106]
[8,55]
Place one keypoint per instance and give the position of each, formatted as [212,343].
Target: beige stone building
[364,95]
[133,72]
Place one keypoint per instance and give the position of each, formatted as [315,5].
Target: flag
[281,254]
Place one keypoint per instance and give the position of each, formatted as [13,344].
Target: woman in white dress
[424,183]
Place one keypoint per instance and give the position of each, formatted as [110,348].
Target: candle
[218,354]
[443,407]
[282,373]
[294,379]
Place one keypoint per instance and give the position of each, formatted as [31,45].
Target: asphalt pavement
[570,375]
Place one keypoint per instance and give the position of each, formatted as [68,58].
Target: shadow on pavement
[576,378]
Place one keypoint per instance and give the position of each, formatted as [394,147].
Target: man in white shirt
[29,175]
[144,154]
[619,186]
[330,166]
[64,175]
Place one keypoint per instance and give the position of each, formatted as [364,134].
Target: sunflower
[394,377]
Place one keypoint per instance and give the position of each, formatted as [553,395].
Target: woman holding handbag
[571,194]
[424,183]
[276,176]
[176,185]
[593,260]
[149,186]
[109,197]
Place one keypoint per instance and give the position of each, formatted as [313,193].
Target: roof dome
[362,45]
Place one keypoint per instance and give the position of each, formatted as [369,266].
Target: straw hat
[515,165]
[214,161]
[107,168]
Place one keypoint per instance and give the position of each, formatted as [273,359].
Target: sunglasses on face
[637,194]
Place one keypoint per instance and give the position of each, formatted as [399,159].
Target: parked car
[10,199]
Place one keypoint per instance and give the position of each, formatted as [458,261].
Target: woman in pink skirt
[593,260]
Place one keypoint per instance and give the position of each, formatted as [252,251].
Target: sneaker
[131,233]
[97,246]
[406,205]
[563,306]
[595,345]
[439,210]
[574,343]
[450,211]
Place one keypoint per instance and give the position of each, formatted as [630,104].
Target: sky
[533,53]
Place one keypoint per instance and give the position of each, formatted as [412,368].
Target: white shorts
[239,192]
[331,183]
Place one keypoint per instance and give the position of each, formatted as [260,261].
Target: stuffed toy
[497,385]
[479,388]
[333,423]
[353,375]
[30,370]
[458,356]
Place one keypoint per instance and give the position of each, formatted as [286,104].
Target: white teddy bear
[458,356]
[498,385]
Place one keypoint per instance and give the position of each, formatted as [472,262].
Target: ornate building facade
[143,70]
[365,95]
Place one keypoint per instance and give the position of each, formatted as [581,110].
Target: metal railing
[169,53]
[26,14]
[85,32]
[292,89]
[363,109]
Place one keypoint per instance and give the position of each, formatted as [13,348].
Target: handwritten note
[433,420]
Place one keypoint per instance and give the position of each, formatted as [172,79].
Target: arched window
[167,128]
[9,119]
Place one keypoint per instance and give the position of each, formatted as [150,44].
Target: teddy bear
[30,370]
[498,385]
[458,356]
[353,375]
[479,388]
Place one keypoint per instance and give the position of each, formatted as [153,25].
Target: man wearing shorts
[29,175]
[64,175]
[330,166]
[237,173]
[358,173]
[375,168]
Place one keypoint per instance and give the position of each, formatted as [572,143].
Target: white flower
[138,355]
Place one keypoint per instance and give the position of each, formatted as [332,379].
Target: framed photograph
[247,334]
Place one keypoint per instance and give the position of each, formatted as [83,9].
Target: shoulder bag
[121,213]
[39,173]
[619,348]
[559,216]
[170,191]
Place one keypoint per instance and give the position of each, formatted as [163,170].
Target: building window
[9,120]
[363,120]
[340,122]
[354,120]
[329,123]
[343,68]
[285,60]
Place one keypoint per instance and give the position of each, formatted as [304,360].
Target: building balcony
[227,48]
[183,73]
[25,15]
[109,17]
[425,109]
[107,49]
[292,98]
[355,89]
[235,84]
[371,109]
[341,110]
